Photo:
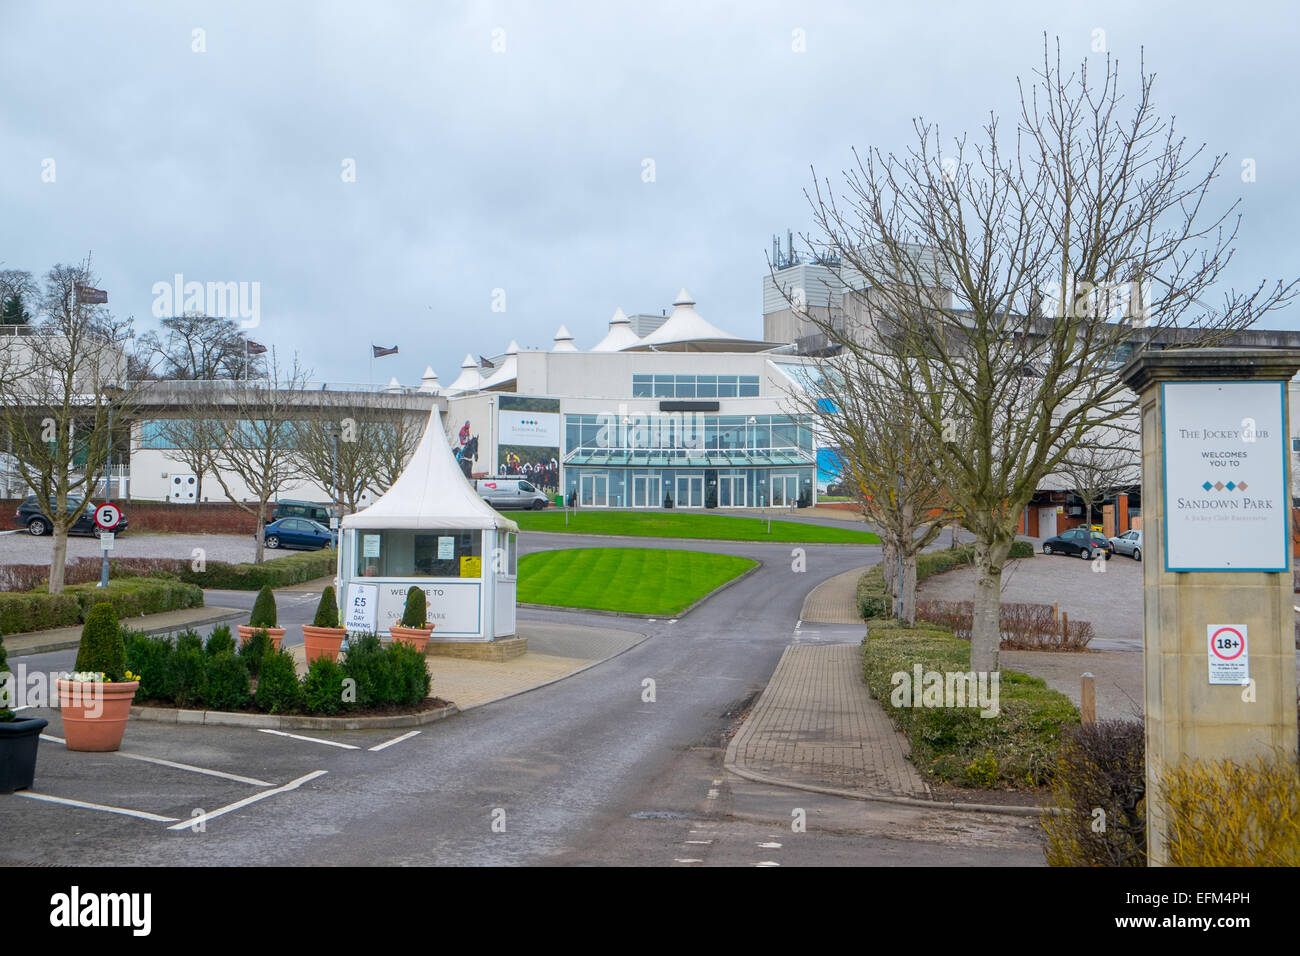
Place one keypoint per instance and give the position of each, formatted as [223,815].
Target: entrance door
[644,491]
[1047,522]
[690,491]
[785,490]
[731,491]
[594,490]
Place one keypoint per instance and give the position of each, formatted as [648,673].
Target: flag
[253,348]
[88,296]
[379,350]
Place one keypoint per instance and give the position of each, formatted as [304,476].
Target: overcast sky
[522,170]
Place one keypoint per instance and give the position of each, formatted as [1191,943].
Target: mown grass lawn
[632,580]
[670,524]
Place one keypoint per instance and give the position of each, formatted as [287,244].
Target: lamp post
[111,391]
[335,432]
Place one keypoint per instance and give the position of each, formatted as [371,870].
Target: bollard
[1088,700]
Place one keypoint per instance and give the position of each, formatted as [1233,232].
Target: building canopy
[431,492]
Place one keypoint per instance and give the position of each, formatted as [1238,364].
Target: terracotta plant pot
[322,641]
[276,634]
[19,739]
[417,637]
[94,713]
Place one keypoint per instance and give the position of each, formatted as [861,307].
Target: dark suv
[287,508]
[35,519]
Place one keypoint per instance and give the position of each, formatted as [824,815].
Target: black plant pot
[18,741]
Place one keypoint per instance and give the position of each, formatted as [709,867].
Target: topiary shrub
[220,641]
[183,677]
[189,639]
[278,689]
[327,611]
[263,608]
[254,650]
[1099,786]
[409,680]
[1021,549]
[102,647]
[147,658]
[225,681]
[416,611]
[366,664]
[322,688]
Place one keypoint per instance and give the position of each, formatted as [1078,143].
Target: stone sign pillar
[1219,624]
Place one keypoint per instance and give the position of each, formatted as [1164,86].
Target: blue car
[298,533]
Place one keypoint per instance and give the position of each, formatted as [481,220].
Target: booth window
[433,553]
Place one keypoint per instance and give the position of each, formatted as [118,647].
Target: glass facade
[417,554]
[678,432]
[694,386]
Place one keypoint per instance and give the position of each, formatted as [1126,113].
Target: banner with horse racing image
[528,440]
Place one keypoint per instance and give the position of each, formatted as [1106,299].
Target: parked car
[35,519]
[288,508]
[510,492]
[1081,541]
[1130,543]
[298,533]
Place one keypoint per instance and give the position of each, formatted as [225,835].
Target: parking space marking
[213,814]
[314,740]
[251,781]
[395,740]
[45,797]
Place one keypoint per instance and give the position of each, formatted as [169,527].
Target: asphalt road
[585,771]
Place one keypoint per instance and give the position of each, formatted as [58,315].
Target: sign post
[107,517]
[1216,508]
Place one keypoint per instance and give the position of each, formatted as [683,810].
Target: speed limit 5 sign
[107,516]
[1229,652]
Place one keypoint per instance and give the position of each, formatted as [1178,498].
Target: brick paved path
[816,724]
[835,600]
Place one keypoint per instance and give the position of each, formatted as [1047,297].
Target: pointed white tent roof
[431,492]
[429,380]
[620,335]
[509,370]
[564,341]
[468,378]
[393,385]
[687,331]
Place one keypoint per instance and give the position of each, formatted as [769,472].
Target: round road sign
[1226,643]
[107,516]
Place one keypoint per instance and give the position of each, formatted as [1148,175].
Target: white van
[510,491]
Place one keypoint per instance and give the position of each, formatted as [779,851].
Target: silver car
[1130,543]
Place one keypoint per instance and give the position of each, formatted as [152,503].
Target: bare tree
[397,440]
[1001,281]
[255,438]
[60,387]
[1098,470]
[890,464]
[351,452]
[193,440]
[199,347]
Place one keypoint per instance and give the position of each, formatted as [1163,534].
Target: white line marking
[699,842]
[252,781]
[395,740]
[45,797]
[687,860]
[291,785]
[762,863]
[315,740]
[24,707]
[769,846]
[52,739]
[713,794]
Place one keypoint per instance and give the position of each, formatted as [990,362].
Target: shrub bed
[186,674]
[1024,626]
[130,597]
[1016,748]
[874,602]
[1099,767]
[279,572]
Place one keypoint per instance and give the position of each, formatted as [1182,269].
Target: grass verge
[630,580]
[1015,749]
[669,524]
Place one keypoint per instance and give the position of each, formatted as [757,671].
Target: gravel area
[22,548]
[1111,600]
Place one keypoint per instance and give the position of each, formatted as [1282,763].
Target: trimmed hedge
[277,573]
[874,602]
[130,597]
[1016,748]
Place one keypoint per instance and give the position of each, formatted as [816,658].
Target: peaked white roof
[429,380]
[620,335]
[509,370]
[431,492]
[468,378]
[685,325]
[564,341]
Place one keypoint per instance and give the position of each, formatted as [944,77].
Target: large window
[687,431]
[435,553]
[694,386]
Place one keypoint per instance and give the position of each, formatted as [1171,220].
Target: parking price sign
[1229,652]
